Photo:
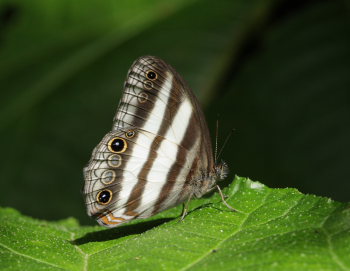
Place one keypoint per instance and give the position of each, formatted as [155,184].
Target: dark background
[278,72]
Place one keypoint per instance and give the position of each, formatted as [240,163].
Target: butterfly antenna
[216,140]
[225,142]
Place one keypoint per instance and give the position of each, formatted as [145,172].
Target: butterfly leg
[185,208]
[224,201]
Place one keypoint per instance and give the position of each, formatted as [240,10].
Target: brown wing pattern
[158,152]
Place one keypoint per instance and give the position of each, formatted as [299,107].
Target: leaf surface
[273,229]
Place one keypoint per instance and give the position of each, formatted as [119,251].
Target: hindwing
[158,153]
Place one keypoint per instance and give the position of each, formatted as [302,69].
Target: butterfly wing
[159,145]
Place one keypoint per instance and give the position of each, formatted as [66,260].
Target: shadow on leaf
[111,234]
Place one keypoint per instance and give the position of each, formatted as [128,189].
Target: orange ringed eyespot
[151,75]
[130,134]
[147,84]
[104,197]
[117,145]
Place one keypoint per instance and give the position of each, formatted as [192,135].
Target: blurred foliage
[275,71]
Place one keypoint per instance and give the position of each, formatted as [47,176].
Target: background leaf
[289,102]
[275,229]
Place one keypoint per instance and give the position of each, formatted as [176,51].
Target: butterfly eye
[130,134]
[104,197]
[151,75]
[117,145]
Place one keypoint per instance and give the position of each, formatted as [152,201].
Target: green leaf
[273,229]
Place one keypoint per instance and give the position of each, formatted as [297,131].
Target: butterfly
[158,153]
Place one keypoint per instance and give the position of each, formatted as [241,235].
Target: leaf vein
[30,257]
[334,255]
[229,236]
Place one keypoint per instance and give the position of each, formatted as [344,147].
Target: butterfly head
[222,170]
